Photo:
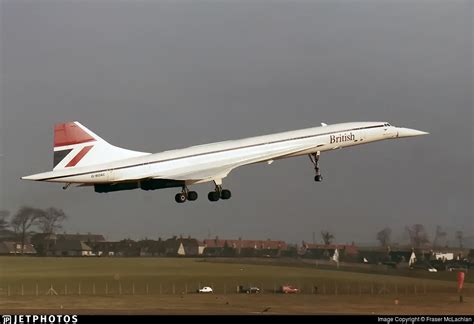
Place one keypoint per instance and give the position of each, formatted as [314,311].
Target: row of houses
[97,245]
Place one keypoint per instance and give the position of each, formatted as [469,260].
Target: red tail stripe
[70,134]
[75,160]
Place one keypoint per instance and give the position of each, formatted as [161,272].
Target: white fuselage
[226,155]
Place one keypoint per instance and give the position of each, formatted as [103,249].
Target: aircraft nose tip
[408,132]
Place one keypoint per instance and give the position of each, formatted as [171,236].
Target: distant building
[443,256]
[181,247]
[14,248]
[71,248]
[124,248]
[325,252]
[149,248]
[374,255]
[244,248]
[82,237]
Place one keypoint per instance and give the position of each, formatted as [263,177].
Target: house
[201,247]
[45,242]
[244,248]
[374,255]
[181,246]
[125,248]
[14,248]
[400,255]
[325,252]
[151,248]
[71,248]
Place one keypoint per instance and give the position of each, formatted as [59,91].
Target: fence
[123,287]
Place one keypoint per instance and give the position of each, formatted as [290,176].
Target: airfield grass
[168,286]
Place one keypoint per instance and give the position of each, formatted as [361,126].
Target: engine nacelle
[102,188]
[154,184]
[151,184]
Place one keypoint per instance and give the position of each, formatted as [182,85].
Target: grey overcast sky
[156,75]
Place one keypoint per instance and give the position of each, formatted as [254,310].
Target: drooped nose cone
[408,132]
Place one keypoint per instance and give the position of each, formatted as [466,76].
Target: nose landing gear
[314,157]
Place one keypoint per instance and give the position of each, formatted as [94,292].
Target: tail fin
[77,146]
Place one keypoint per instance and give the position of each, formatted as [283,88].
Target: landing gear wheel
[226,194]
[315,160]
[213,196]
[180,198]
[192,195]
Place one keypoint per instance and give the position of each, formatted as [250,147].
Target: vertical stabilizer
[77,146]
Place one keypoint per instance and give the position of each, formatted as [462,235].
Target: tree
[4,224]
[23,220]
[327,237]
[440,236]
[418,235]
[460,238]
[384,236]
[51,220]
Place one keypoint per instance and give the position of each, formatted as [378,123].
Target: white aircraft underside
[82,157]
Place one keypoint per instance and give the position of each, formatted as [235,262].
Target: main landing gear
[219,193]
[215,195]
[185,194]
[314,157]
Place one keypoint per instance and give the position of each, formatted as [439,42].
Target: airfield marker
[460,285]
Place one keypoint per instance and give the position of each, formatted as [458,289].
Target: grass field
[168,285]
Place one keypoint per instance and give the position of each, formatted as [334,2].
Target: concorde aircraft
[81,157]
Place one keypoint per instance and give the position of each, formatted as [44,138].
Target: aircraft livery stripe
[75,160]
[205,153]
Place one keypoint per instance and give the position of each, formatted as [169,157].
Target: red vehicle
[289,289]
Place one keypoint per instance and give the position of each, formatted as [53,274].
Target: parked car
[250,290]
[289,289]
[205,290]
